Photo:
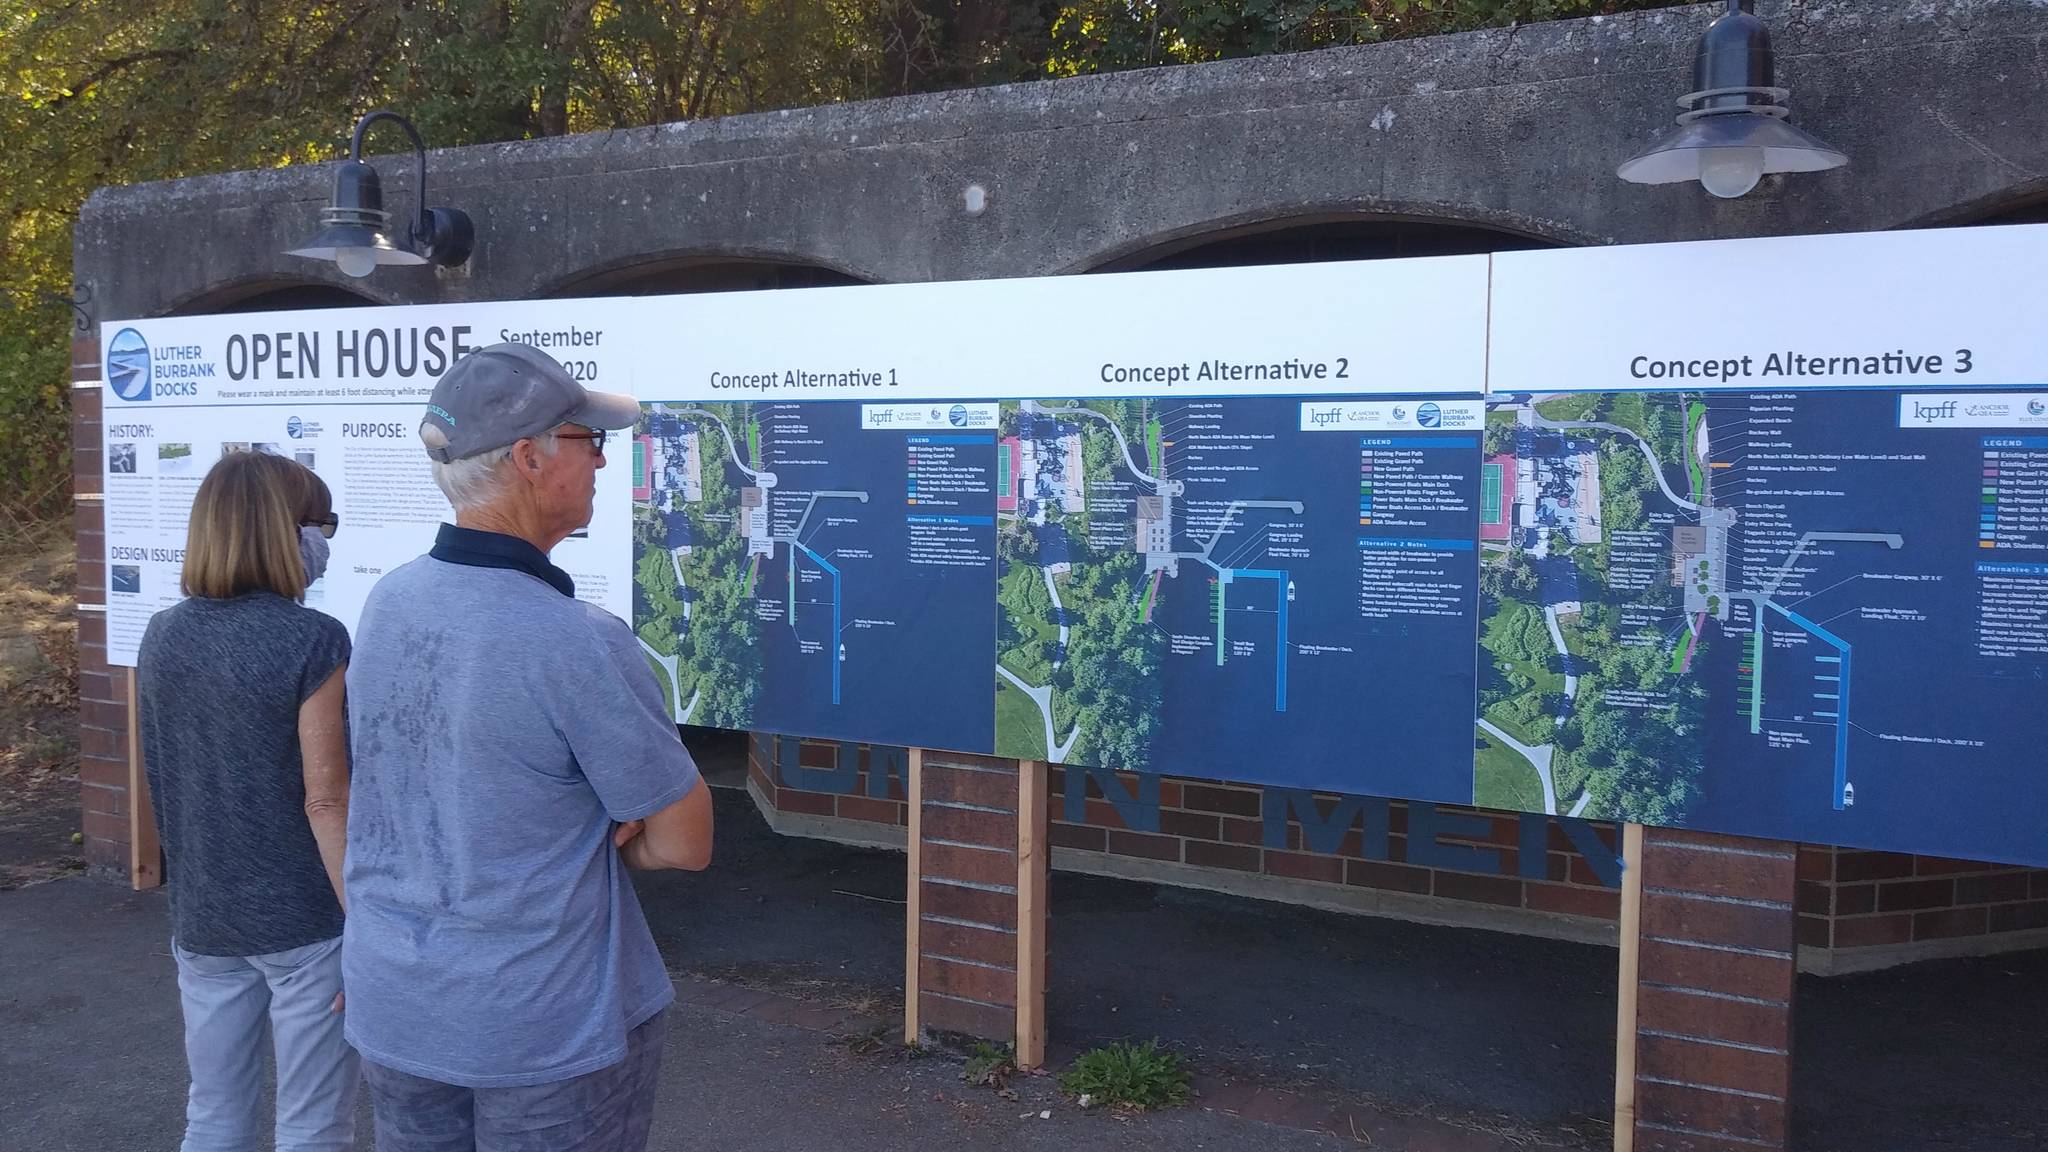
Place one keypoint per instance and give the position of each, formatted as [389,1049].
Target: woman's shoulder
[271,612]
[313,620]
[166,621]
[152,638]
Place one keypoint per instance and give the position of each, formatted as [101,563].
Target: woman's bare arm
[323,745]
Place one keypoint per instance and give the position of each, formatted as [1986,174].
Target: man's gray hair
[475,481]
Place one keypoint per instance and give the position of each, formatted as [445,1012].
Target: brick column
[102,692]
[963,948]
[1715,961]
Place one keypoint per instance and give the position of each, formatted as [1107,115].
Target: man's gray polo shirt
[500,730]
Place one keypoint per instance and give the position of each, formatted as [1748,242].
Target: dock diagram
[1179,575]
[767,540]
[1639,530]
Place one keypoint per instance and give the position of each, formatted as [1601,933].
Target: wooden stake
[914,794]
[1625,1015]
[1033,866]
[145,854]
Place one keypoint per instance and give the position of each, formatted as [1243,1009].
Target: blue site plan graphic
[1779,614]
[1200,587]
[1787,614]
[798,573]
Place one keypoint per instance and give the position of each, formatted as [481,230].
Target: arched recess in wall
[1309,240]
[2023,203]
[686,274]
[270,296]
[2030,210]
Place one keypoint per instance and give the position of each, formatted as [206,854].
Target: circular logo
[128,365]
[1429,415]
[1399,413]
[294,428]
[2035,407]
[957,416]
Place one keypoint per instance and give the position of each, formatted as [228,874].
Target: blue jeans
[609,1110]
[227,1000]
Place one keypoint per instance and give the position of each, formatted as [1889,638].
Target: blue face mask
[313,551]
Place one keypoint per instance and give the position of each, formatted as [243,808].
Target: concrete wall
[1938,104]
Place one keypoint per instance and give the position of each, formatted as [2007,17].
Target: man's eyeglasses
[328,524]
[596,436]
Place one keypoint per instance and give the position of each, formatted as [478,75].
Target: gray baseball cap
[498,395]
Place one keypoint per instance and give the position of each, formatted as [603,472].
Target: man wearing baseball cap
[512,757]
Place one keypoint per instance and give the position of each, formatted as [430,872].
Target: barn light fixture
[1732,129]
[355,230]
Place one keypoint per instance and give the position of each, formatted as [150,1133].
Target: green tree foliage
[1512,578]
[1637,766]
[721,640]
[1104,35]
[1639,763]
[1500,439]
[1624,477]
[101,92]
[1027,633]
[1112,671]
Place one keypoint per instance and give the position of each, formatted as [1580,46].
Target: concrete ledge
[1847,961]
[1331,898]
[1353,900]
[859,833]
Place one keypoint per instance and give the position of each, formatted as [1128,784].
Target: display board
[341,392]
[906,514]
[1778,556]
[1747,536]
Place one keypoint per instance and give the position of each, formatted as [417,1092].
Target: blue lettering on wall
[1138,810]
[886,764]
[1321,830]
[1426,822]
[843,779]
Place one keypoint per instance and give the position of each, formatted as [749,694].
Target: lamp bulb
[1731,172]
[360,262]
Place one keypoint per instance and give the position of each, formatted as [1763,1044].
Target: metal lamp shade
[372,241]
[1680,152]
[1732,131]
[354,229]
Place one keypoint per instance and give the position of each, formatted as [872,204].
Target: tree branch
[108,69]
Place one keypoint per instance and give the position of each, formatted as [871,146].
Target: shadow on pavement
[1945,1055]
[1508,1037]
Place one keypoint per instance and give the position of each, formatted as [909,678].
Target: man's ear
[526,459]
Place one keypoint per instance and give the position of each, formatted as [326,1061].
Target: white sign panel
[1391,326]
[341,392]
[1946,308]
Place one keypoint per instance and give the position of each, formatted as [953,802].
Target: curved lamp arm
[421,227]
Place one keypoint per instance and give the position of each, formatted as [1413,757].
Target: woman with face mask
[244,739]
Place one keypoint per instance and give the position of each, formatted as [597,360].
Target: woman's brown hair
[244,533]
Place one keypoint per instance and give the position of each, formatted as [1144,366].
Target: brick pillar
[1715,962]
[963,947]
[102,692]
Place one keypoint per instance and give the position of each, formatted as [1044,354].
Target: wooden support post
[145,855]
[1625,1014]
[1033,870]
[913,789]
